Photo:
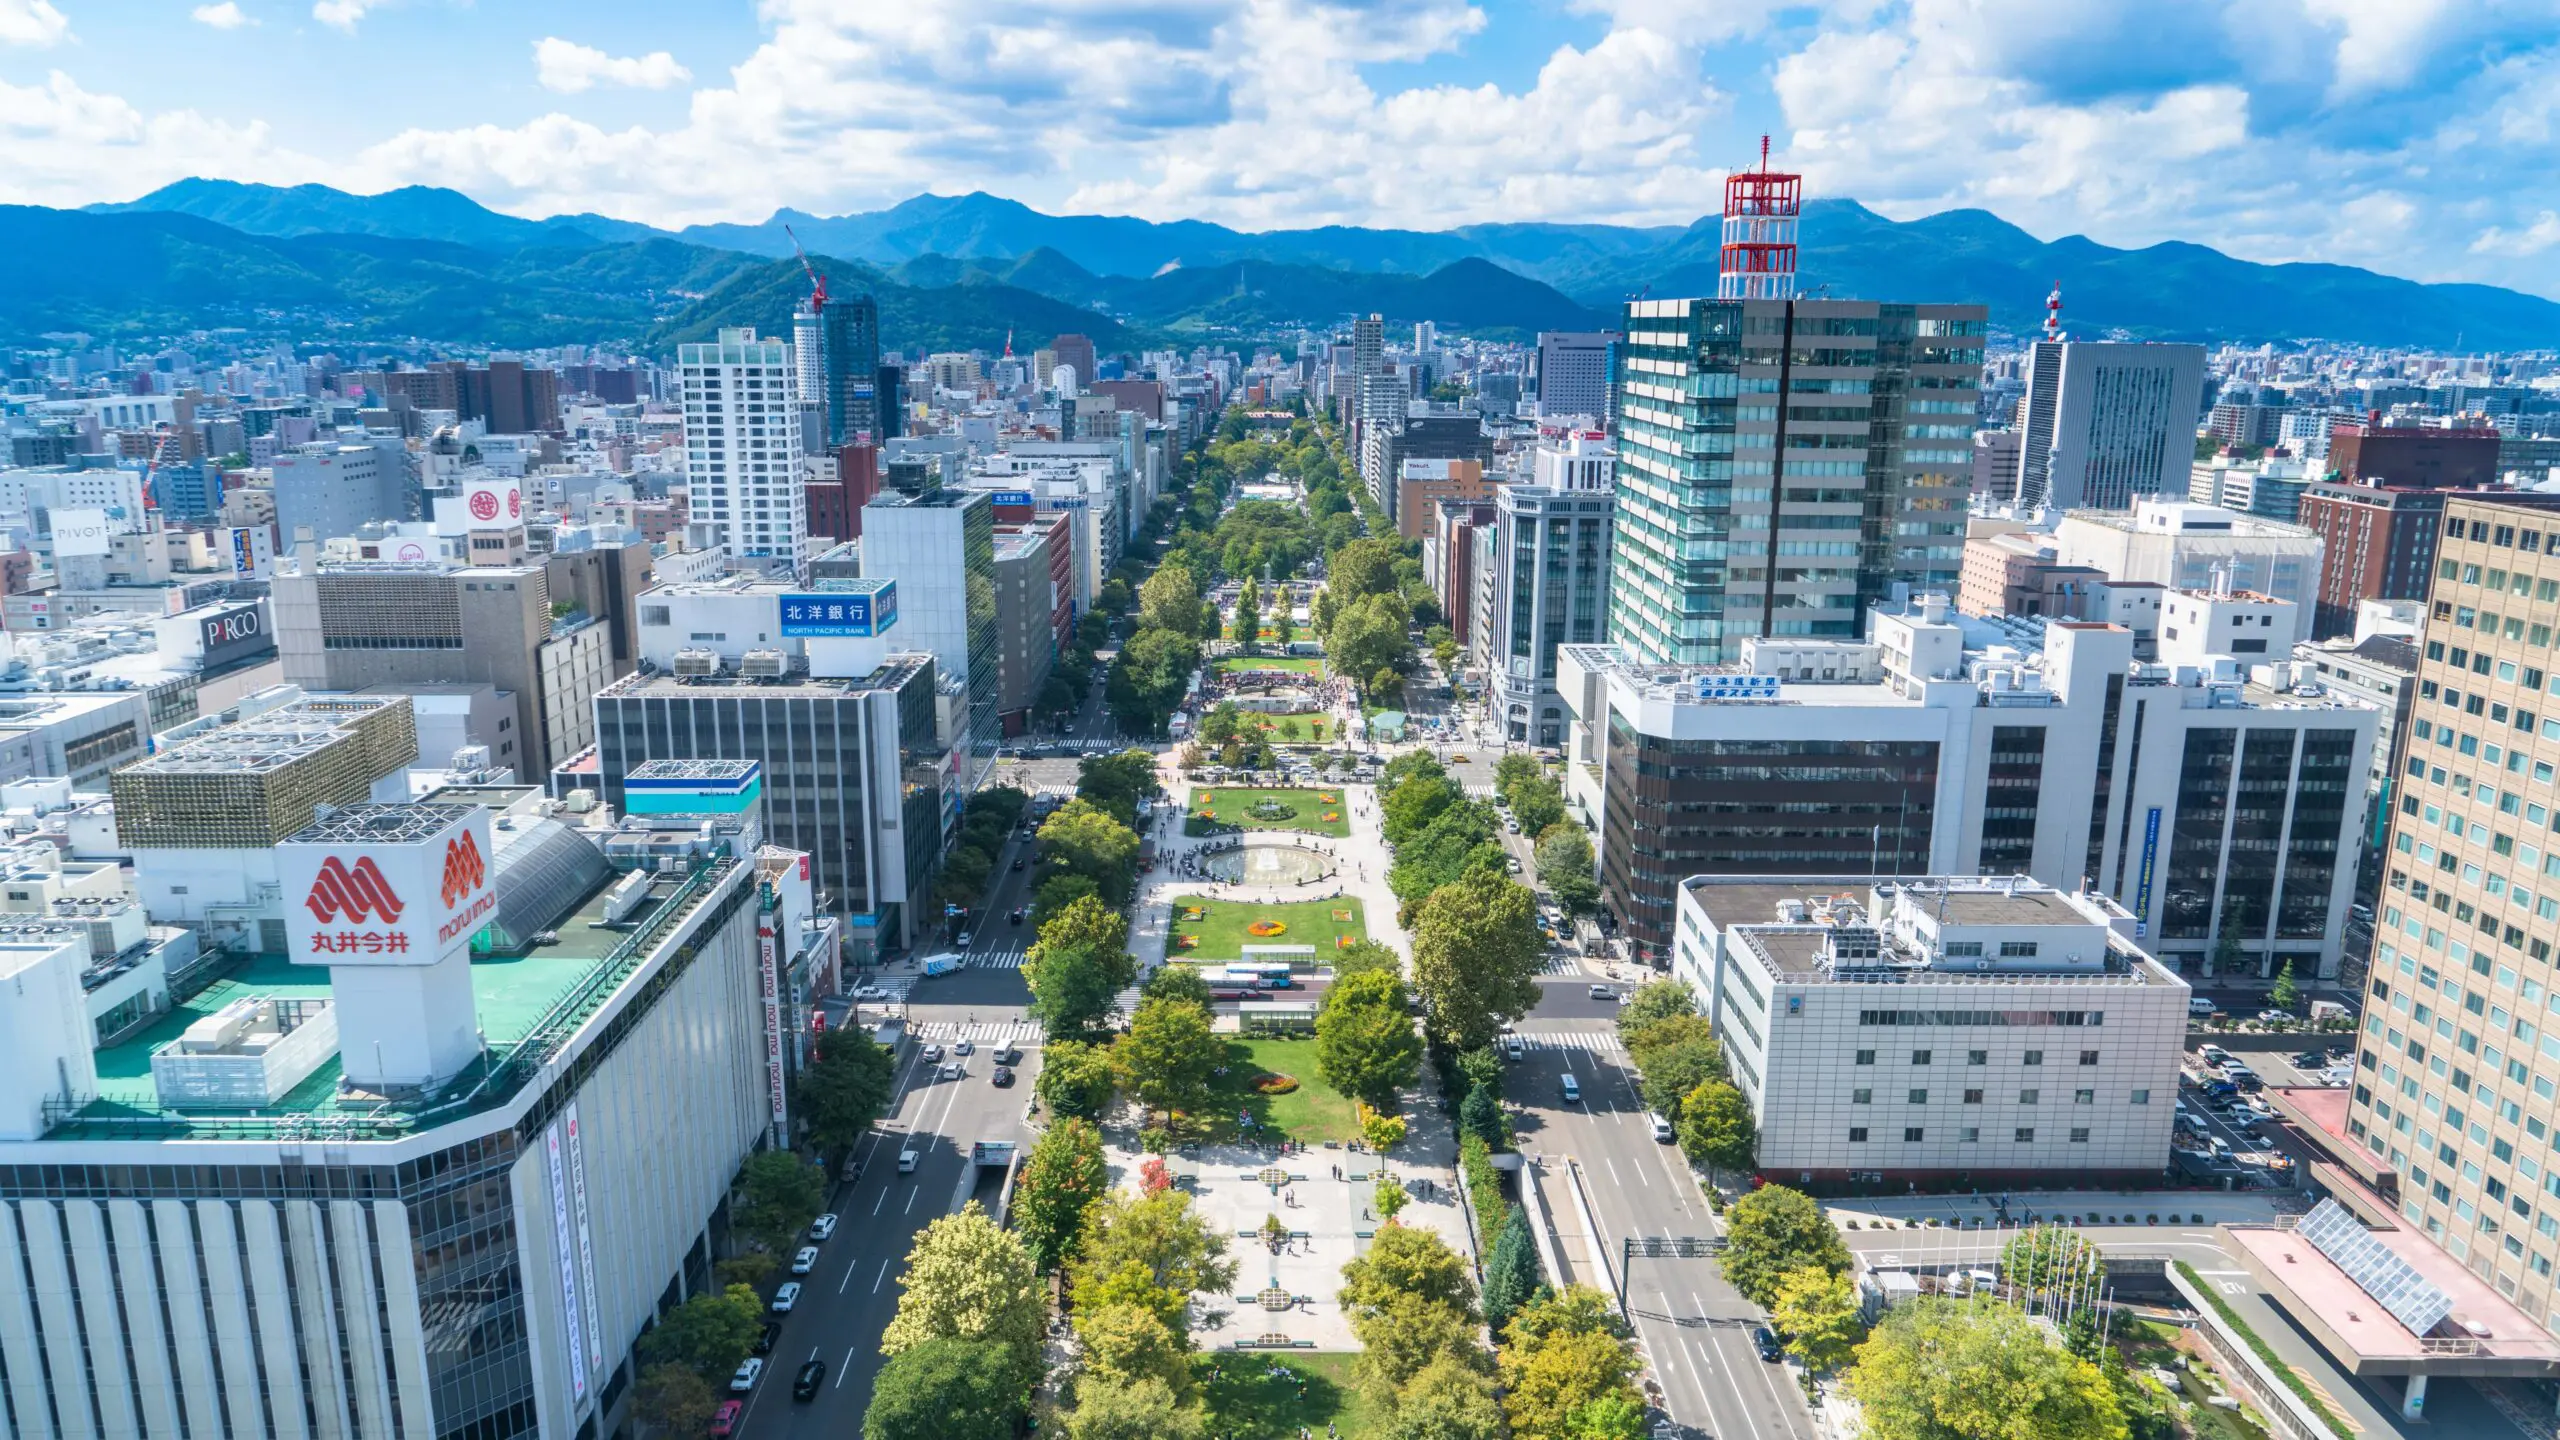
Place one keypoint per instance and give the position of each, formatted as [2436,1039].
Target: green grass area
[1248,1403]
[1224,931]
[1233,805]
[1301,664]
[1314,1112]
[1299,727]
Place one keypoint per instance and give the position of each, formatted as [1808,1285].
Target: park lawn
[1275,728]
[1302,664]
[1312,1114]
[1223,935]
[1248,1404]
[1232,805]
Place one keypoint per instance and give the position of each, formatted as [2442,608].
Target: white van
[907,1161]
[1661,1127]
[1572,1090]
[2198,1005]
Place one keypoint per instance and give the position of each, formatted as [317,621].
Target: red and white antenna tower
[2053,315]
[1758,260]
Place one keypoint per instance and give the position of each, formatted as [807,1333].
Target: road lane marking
[883,1275]
[883,1200]
[910,1205]
[844,1369]
[849,1267]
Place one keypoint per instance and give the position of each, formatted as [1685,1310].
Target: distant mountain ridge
[1195,277]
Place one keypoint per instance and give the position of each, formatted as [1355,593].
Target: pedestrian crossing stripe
[996,960]
[1560,965]
[1016,1032]
[1570,1040]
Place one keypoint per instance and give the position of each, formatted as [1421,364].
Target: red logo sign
[355,892]
[484,504]
[464,870]
[515,504]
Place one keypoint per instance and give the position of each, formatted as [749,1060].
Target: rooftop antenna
[1757,257]
[2053,315]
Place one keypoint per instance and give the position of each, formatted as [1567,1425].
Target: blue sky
[2420,137]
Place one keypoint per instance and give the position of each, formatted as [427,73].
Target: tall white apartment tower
[743,450]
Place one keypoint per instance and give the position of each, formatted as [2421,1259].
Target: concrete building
[2379,543]
[1575,369]
[2382,671]
[2270,487]
[1421,486]
[2106,423]
[385,624]
[1027,606]
[1451,560]
[849,364]
[1574,460]
[1980,1028]
[2412,456]
[940,549]
[743,449]
[2209,793]
[278,1216]
[77,735]
[1995,466]
[2186,546]
[326,490]
[1542,582]
[2021,573]
[1740,517]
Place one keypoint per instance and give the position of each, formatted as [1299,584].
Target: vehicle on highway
[2198,1005]
[1015,914]
[961,940]
[1234,992]
[1661,1126]
[907,1161]
[766,1334]
[749,1371]
[1766,1342]
[804,1260]
[1019,862]
[869,992]
[1003,1076]
[952,1070]
[724,1421]
[804,1386]
[1009,1055]
[964,1047]
[1513,1048]
[822,1228]
[1602,992]
[932,1054]
[786,1297]
[1572,1089]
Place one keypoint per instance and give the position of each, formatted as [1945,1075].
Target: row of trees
[971,863]
[1683,1077]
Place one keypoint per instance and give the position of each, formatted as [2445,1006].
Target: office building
[81,736]
[1450,565]
[850,371]
[2021,573]
[2270,487]
[2241,423]
[1031,601]
[2414,457]
[2186,546]
[508,397]
[742,450]
[1574,373]
[1421,486]
[1984,1029]
[2105,423]
[385,625]
[1995,466]
[274,1212]
[1739,517]
[2208,793]
[1574,460]
[1542,582]
[2379,543]
[2382,671]
[1075,352]
[327,490]
[1368,345]
[940,549]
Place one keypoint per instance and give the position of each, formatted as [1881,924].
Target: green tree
[1774,1230]
[1082,839]
[2286,993]
[964,876]
[670,1400]
[1149,679]
[1367,638]
[1480,1115]
[1938,1370]
[1403,1260]
[1388,1195]
[1449,1399]
[1564,1352]
[1564,867]
[2048,1257]
[1322,612]
[1248,626]
[1160,1237]
[1537,805]
[1365,1042]
[1362,957]
[1076,1079]
[1402,1335]
[1476,955]
[1284,626]
[708,1334]
[1511,1276]
[1818,1312]
[1362,569]
[1658,1011]
[1616,1415]
[1170,601]
[1142,1409]
[1128,1342]
[969,1279]
[1062,1180]
[1716,1128]
[1674,1071]
[1116,782]
[1079,967]
[1167,1056]
[1382,1132]
[845,1091]
[1413,803]
[1057,893]
[945,1389]
[778,1195]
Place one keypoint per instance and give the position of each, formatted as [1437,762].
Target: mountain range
[961,271]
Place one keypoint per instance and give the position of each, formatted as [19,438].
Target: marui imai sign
[395,902]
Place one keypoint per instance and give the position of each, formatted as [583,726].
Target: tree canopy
[1062,1180]
[1365,1042]
[1774,1230]
[969,1279]
[1476,956]
[1939,1370]
[945,1389]
[1167,1056]
[1079,966]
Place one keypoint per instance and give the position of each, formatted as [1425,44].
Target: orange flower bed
[1332,815]
[1327,799]
[1266,928]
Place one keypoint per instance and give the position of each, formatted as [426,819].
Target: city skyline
[2383,136]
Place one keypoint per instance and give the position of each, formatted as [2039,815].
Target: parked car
[749,1371]
[804,1260]
[822,1228]
[724,1421]
[1764,1340]
[786,1297]
[2277,1017]
[1003,1076]
[766,1335]
[804,1386]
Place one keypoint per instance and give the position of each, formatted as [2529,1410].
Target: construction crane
[817,282]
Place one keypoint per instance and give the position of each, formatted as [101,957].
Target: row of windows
[1982,1017]
[1978,1057]
[2029,1096]
[1969,1134]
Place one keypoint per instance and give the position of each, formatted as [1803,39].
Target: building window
[2079,1134]
[2024,1134]
[2141,1097]
[2027,1097]
[1919,1097]
[1862,1097]
[2034,1057]
[2084,1097]
[1913,1134]
[1973,1097]
[1977,1057]
[1857,1134]
[1970,1134]
[1919,1057]
[2088,1057]
[1866,1057]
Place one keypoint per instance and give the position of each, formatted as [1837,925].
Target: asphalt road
[1696,1329]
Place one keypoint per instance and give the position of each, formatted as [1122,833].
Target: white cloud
[343,14]
[225,16]
[69,146]
[31,22]
[568,68]
[2535,239]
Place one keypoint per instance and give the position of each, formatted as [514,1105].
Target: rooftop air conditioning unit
[764,664]
[697,662]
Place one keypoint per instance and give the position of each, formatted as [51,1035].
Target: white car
[786,1297]
[962,940]
[805,1261]
[907,1161]
[964,1047]
[749,1370]
[822,1228]
[869,992]
[953,1071]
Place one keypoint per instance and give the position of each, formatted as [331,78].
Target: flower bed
[1266,928]
[1276,1084]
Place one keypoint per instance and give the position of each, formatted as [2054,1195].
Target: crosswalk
[1559,963]
[981,1032]
[1010,958]
[1600,1041]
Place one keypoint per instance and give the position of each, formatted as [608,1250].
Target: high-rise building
[1864,471]
[1543,582]
[851,367]
[2409,455]
[1368,345]
[742,449]
[325,490]
[939,545]
[2104,423]
[1574,369]
[2183,545]
[2204,793]
[2379,543]
[1076,353]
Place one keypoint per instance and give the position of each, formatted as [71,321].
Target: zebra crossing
[1559,963]
[1024,1033]
[1010,958]
[1598,1041]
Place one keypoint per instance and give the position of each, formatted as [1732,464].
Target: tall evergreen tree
[1512,1275]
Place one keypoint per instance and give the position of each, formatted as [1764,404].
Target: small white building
[1993,1027]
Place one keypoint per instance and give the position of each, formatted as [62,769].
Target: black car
[1015,914]
[1009,1055]
[1003,1076]
[804,1386]
[1018,862]
[766,1337]
[1763,1341]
